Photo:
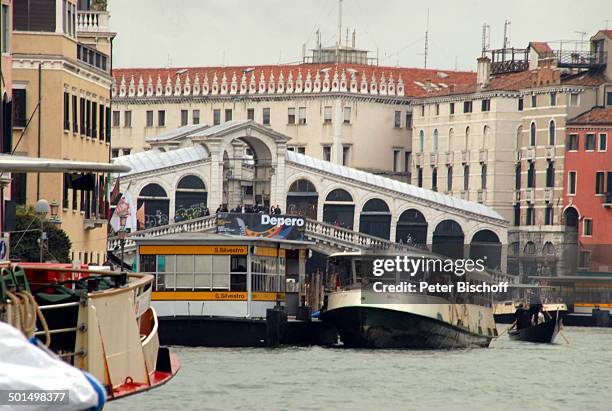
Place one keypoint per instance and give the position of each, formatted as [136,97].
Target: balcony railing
[93,58]
[482,155]
[550,152]
[580,59]
[465,156]
[548,194]
[449,157]
[92,21]
[433,159]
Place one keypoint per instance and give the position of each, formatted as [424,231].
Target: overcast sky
[158,33]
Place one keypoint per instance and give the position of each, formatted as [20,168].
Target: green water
[508,375]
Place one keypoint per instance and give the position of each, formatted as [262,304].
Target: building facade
[61,103]
[350,114]
[588,188]
[501,141]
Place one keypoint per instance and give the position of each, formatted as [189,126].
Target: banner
[261,225]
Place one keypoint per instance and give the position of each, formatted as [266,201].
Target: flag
[125,207]
[115,192]
[140,217]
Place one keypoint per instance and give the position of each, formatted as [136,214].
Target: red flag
[115,193]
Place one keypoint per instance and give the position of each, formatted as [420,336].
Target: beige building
[61,101]
[501,141]
[347,113]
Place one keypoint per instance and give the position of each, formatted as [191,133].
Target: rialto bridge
[195,169]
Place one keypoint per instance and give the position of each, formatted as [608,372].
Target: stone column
[215,191]
[336,148]
[278,183]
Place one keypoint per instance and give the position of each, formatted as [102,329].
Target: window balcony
[548,194]
[530,195]
[418,159]
[93,222]
[482,195]
[530,154]
[465,156]
[550,152]
[448,157]
[482,155]
[433,159]
[92,21]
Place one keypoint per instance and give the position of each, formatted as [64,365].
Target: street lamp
[53,211]
[122,235]
[42,209]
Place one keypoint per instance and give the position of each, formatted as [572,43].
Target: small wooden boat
[545,332]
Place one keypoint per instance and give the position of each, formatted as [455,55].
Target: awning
[10,163]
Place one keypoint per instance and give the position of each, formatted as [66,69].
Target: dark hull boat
[541,333]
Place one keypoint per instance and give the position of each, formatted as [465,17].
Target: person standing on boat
[522,318]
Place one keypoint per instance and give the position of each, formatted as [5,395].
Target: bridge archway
[190,198]
[411,228]
[375,219]
[156,205]
[448,239]
[339,208]
[302,199]
[486,245]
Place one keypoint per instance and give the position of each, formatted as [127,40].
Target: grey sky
[248,32]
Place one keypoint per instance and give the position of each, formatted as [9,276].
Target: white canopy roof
[11,163]
[156,158]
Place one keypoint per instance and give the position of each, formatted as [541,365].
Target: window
[434,179]
[548,215]
[291,115]
[423,110]
[266,116]
[102,125]
[449,179]
[531,175]
[551,133]
[301,150]
[94,119]
[517,176]
[250,114]
[521,103]
[437,109]
[75,121]
[571,183]
[396,160]
[574,99]
[530,217]
[88,118]
[161,118]
[421,141]
[553,99]
[407,162]
[346,152]
[467,106]
[587,227]
[589,142]
[302,115]
[603,142]
[228,114]
[216,117]
[585,260]
[419,177]
[34,15]
[466,178]
[149,118]
[609,98]
[451,108]
[517,214]
[127,151]
[184,117]
[108,125]
[115,153]
[599,182]
[532,134]
[327,153]
[435,140]
[408,120]
[550,174]
[483,177]
[82,116]
[66,111]
[127,119]
[5,33]
[486,105]
[327,115]
[534,101]
[116,117]
[347,115]
[397,119]
[572,142]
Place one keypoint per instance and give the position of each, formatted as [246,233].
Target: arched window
[434,179]
[532,134]
[466,178]
[302,199]
[411,228]
[551,133]
[448,239]
[467,138]
[421,141]
[156,205]
[519,132]
[450,139]
[449,179]
[190,199]
[486,246]
[435,140]
[485,136]
[339,209]
[530,248]
[375,219]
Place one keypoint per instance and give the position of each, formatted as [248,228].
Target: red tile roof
[542,48]
[411,77]
[595,116]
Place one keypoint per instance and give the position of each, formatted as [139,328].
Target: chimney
[483,72]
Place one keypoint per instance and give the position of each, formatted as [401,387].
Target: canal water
[507,376]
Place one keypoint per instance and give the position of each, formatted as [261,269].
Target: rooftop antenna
[353,38]
[426,50]
[346,42]
[506,34]
[169,61]
[606,21]
[339,31]
[582,35]
[486,38]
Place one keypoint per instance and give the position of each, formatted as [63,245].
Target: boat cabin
[203,274]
